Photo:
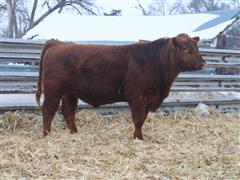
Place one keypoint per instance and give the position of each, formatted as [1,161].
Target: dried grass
[181,145]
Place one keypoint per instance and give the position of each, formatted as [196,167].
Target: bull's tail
[39,83]
[38,94]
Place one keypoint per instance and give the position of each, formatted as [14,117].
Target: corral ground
[181,145]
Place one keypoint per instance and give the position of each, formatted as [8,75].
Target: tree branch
[3,7]
[172,10]
[47,4]
[140,7]
[33,11]
[61,3]
[30,21]
[79,12]
[87,9]
[43,17]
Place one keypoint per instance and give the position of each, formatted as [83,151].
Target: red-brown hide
[140,74]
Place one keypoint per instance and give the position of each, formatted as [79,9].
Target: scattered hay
[181,145]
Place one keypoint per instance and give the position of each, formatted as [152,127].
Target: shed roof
[131,28]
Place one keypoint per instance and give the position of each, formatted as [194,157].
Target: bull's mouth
[199,67]
[195,67]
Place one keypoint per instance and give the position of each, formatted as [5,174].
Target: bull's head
[187,53]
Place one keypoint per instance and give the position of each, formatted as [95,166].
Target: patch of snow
[204,95]
[202,110]
[227,94]
[16,64]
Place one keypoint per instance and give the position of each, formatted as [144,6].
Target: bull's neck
[170,72]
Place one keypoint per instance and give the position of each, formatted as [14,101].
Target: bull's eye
[184,49]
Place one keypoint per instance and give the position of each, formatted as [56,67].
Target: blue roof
[223,17]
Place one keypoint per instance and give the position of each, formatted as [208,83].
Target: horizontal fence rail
[184,83]
[19,73]
[168,106]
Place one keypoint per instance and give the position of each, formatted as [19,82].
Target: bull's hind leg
[69,104]
[49,108]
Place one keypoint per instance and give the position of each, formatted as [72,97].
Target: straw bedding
[181,145]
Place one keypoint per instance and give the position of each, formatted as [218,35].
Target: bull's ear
[196,38]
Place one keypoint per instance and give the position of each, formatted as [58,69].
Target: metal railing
[22,79]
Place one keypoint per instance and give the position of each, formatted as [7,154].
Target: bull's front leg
[139,114]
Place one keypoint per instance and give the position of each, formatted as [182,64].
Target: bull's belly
[96,98]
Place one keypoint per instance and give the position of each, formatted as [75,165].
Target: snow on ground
[204,95]
[123,28]
[29,99]
[16,64]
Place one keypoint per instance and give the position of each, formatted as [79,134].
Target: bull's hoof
[135,138]
[140,137]
[138,134]
[73,131]
[45,133]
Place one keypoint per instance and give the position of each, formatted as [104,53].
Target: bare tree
[11,17]
[22,17]
[207,5]
[178,7]
[141,8]
[236,4]
[157,7]
[164,7]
